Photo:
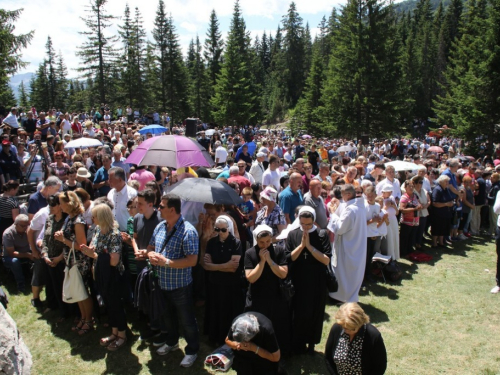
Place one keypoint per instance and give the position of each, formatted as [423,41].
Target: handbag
[73,287]
[331,280]
[287,289]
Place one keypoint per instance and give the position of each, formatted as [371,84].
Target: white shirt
[288,156]
[66,126]
[271,178]
[120,200]
[249,177]
[221,154]
[396,189]
[257,170]
[37,223]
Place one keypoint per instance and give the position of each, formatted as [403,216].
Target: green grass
[439,319]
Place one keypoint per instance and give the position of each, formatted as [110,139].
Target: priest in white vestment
[349,245]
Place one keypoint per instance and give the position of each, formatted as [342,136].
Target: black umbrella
[205,190]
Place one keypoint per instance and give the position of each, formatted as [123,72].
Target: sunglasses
[223,230]
[161,207]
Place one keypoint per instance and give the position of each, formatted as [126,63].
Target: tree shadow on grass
[380,289]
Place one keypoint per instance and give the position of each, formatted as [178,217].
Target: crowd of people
[307,205]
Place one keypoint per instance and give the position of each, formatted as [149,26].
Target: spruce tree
[294,46]
[214,47]
[50,59]
[97,52]
[62,83]
[23,97]
[360,93]
[233,100]
[199,91]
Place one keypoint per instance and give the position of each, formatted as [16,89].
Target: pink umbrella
[174,151]
[306,136]
[437,149]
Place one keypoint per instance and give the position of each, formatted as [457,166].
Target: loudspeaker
[365,139]
[191,127]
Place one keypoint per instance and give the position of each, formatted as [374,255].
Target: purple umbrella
[306,136]
[170,151]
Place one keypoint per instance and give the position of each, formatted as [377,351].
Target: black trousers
[370,251]
[54,288]
[407,235]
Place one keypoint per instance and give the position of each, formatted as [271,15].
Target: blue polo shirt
[453,180]
[289,201]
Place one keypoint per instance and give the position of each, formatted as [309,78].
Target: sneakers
[160,340]
[150,334]
[462,237]
[188,359]
[495,290]
[165,349]
[468,235]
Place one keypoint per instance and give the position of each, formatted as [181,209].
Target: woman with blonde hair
[354,346]
[73,233]
[106,249]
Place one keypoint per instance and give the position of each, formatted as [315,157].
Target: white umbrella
[400,165]
[210,132]
[344,149]
[83,142]
[11,120]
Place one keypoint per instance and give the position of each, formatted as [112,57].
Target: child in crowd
[391,241]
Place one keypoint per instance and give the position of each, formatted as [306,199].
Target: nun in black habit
[225,299]
[265,266]
[309,252]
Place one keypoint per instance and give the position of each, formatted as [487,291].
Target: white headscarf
[261,228]
[309,210]
[227,220]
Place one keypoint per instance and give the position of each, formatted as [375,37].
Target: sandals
[78,326]
[106,341]
[117,344]
[82,331]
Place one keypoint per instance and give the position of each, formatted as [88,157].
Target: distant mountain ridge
[15,82]
[410,5]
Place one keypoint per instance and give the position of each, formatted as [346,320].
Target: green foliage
[23,101]
[97,52]
[199,93]
[234,97]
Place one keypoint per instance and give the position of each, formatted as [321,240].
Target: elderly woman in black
[354,346]
[310,251]
[106,248]
[225,299]
[53,253]
[442,212]
[265,266]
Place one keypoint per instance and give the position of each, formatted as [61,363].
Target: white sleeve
[496,207]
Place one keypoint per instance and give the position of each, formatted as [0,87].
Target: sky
[61,20]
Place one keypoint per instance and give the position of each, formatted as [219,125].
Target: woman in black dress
[225,299]
[265,266]
[310,251]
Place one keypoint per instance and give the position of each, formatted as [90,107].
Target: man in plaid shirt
[174,250]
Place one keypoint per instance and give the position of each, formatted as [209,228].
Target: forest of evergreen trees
[370,70]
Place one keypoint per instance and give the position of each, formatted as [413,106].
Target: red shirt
[241,181]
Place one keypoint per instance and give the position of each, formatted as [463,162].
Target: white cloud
[61,20]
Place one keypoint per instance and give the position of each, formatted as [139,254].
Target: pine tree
[233,100]
[50,59]
[276,91]
[151,81]
[23,97]
[39,87]
[97,52]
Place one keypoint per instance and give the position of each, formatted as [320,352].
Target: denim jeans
[180,309]
[16,266]
[467,219]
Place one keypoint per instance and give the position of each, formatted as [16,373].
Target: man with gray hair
[254,343]
[119,195]
[390,179]
[119,161]
[348,224]
[220,154]
[17,252]
[234,176]
[38,200]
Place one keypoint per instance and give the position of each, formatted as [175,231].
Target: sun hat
[269,193]
[83,172]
